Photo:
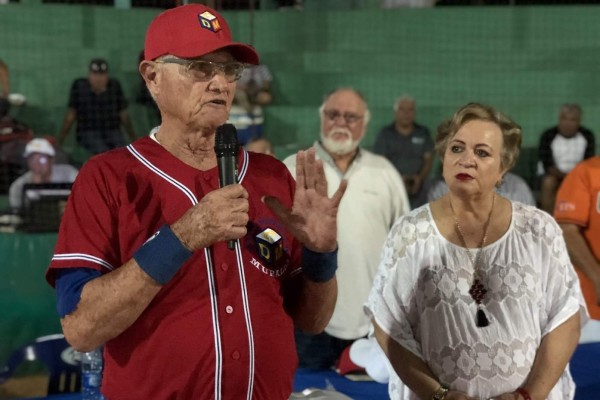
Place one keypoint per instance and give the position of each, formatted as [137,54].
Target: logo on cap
[209,21]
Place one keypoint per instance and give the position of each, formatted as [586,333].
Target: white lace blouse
[420,299]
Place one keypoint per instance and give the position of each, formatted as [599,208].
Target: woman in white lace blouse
[475,296]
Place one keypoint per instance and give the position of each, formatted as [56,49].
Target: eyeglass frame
[216,66]
[349,118]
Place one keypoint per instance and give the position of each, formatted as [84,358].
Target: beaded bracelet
[523,393]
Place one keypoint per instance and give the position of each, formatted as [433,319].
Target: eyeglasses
[350,118]
[204,70]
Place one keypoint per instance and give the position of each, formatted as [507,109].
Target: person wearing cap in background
[142,263]
[40,155]
[100,108]
[253,92]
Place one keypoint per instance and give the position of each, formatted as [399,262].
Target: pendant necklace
[477,290]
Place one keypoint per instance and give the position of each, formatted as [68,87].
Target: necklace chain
[477,291]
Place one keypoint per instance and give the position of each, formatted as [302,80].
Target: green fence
[27,302]
[524,60]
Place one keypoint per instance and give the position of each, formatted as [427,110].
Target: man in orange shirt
[577,211]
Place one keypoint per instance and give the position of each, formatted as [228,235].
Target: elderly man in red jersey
[142,263]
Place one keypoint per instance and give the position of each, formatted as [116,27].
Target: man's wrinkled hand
[221,215]
[313,216]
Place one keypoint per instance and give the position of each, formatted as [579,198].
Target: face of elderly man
[569,122]
[343,122]
[195,103]
[405,112]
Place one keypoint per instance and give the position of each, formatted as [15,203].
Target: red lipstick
[463,177]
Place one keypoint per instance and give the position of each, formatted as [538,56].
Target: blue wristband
[162,255]
[319,267]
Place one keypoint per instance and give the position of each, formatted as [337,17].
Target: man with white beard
[375,198]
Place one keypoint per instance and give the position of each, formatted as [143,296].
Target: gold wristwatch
[440,394]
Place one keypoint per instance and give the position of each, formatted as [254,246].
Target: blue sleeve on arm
[69,284]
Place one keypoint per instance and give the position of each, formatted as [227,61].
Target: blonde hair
[511,131]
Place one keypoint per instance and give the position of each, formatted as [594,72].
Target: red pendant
[477,291]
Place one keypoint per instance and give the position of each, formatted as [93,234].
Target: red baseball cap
[190,31]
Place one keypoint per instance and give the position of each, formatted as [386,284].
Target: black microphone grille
[226,138]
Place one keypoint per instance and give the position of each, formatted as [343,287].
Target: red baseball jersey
[218,329]
[578,202]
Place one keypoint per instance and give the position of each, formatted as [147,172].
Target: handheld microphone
[226,148]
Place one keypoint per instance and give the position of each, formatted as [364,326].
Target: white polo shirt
[568,152]
[374,199]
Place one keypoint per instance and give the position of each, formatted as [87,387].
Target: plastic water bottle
[91,375]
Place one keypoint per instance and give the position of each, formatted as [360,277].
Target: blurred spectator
[144,97]
[10,127]
[4,81]
[578,214]
[14,135]
[15,99]
[260,145]
[561,148]
[409,147]
[252,94]
[407,3]
[375,198]
[290,5]
[464,2]
[100,108]
[254,86]
[40,155]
